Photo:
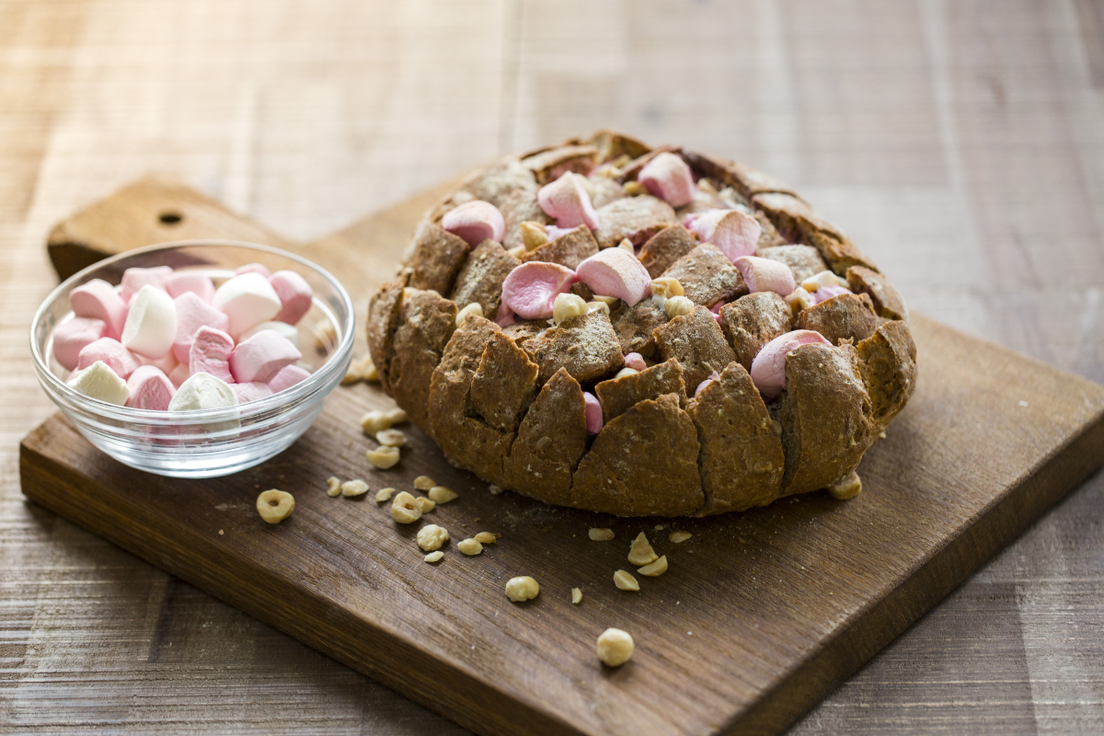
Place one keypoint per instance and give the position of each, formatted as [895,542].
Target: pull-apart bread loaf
[642,332]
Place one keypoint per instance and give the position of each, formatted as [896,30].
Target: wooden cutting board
[760,615]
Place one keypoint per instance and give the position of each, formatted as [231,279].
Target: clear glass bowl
[211,442]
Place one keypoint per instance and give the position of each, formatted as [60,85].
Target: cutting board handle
[152,210]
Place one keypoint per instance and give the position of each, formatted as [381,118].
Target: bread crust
[826,417]
[653,441]
[426,322]
[752,321]
[696,341]
[508,403]
[707,276]
[844,317]
[741,461]
[550,442]
[635,219]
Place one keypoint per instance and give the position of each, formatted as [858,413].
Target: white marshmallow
[291,332]
[151,323]
[203,391]
[248,300]
[98,381]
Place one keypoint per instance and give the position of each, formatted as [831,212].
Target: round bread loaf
[719,265]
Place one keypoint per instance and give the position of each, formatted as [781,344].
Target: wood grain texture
[989,442]
[305,116]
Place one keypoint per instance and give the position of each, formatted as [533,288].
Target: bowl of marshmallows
[194,359]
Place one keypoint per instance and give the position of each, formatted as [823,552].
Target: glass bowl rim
[321,377]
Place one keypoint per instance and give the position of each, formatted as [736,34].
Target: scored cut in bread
[550,408]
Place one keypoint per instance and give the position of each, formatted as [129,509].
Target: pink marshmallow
[183,282]
[635,361]
[247,392]
[668,177]
[261,357]
[768,369]
[180,374]
[530,289]
[71,337]
[135,278]
[824,293]
[554,232]
[566,199]
[165,364]
[288,377]
[98,300]
[191,314]
[709,379]
[112,353]
[716,311]
[616,272]
[505,316]
[253,268]
[248,300]
[475,222]
[593,413]
[295,296]
[764,274]
[210,353]
[149,388]
[735,233]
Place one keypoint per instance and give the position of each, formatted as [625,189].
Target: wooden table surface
[961,144]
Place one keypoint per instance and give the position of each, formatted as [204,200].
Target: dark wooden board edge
[433,682]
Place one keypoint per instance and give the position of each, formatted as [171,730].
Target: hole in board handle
[170,218]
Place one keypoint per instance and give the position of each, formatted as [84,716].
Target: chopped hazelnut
[396,416]
[655,569]
[487,537]
[522,588]
[634,188]
[533,235]
[391,438]
[679,537]
[600,535]
[383,457]
[474,308]
[384,494]
[517,252]
[434,556]
[374,421]
[424,483]
[667,287]
[846,487]
[470,547]
[440,494]
[426,504]
[371,373]
[274,506]
[567,306]
[576,595]
[615,647]
[641,552]
[333,487]
[625,581]
[405,508]
[677,306]
[626,372]
[432,537]
[494,489]
[597,306]
[355,487]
